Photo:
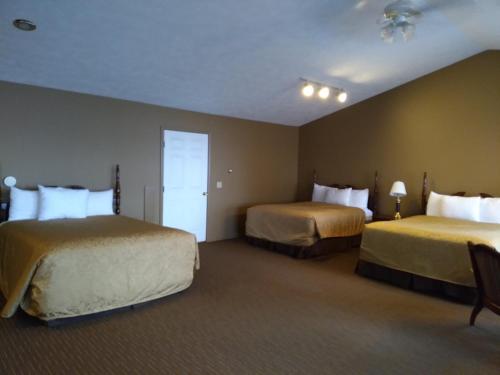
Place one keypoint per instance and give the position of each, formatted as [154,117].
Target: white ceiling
[235,58]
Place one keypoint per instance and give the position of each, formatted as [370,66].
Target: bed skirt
[321,248]
[455,292]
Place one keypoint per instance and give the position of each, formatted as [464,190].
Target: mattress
[65,268]
[428,246]
[303,223]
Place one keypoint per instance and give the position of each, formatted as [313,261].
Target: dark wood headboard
[425,193]
[372,200]
[117,190]
[4,213]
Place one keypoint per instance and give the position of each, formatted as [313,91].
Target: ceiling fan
[402,15]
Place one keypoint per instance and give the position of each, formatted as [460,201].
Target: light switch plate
[219,184]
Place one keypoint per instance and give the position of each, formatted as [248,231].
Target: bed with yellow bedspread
[428,246]
[66,268]
[303,223]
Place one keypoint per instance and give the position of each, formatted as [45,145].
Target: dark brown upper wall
[55,137]
[446,123]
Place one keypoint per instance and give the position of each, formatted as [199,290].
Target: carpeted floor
[251,311]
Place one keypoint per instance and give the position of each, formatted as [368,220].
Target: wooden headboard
[117,190]
[373,199]
[4,213]
[426,192]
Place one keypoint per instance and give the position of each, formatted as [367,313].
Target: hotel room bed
[307,229]
[433,247]
[425,253]
[303,223]
[66,268]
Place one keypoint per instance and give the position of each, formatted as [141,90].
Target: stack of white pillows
[345,197]
[48,203]
[486,210]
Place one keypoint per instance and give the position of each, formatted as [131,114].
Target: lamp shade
[398,189]
[9,181]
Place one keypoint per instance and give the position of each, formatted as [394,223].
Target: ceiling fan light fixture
[387,34]
[408,30]
[399,16]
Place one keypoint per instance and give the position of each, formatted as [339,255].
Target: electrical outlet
[219,184]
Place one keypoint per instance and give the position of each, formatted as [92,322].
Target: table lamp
[398,190]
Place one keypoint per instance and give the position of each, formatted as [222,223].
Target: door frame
[162,167]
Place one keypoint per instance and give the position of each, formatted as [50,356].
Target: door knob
[204,193]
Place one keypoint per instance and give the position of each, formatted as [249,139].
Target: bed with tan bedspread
[66,268]
[428,246]
[303,223]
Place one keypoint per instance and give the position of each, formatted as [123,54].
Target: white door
[185,181]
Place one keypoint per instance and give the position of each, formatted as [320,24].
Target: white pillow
[338,196]
[455,207]
[330,194]
[434,204]
[466,208]
[23,204]
[359,198]
[61,203]
[100,203]
[489,211]
[319,193]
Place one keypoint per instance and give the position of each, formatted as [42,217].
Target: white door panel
[185,181]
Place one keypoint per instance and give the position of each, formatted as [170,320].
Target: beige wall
[55,137]
[446,123]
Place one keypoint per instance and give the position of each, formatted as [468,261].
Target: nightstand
[3,212]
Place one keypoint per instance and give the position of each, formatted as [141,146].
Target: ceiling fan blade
[443,5]
[360,4]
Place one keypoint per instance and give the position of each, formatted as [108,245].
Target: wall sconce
[324,91]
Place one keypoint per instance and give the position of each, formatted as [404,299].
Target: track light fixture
[324,91]
[342,96]
[308,89]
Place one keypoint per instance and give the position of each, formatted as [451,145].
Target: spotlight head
[342,96]
[308,89]
[324,93]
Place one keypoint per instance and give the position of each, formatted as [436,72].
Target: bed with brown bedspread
[430,246]
[60,269]
[66,268]
[307,229]
[425,253]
